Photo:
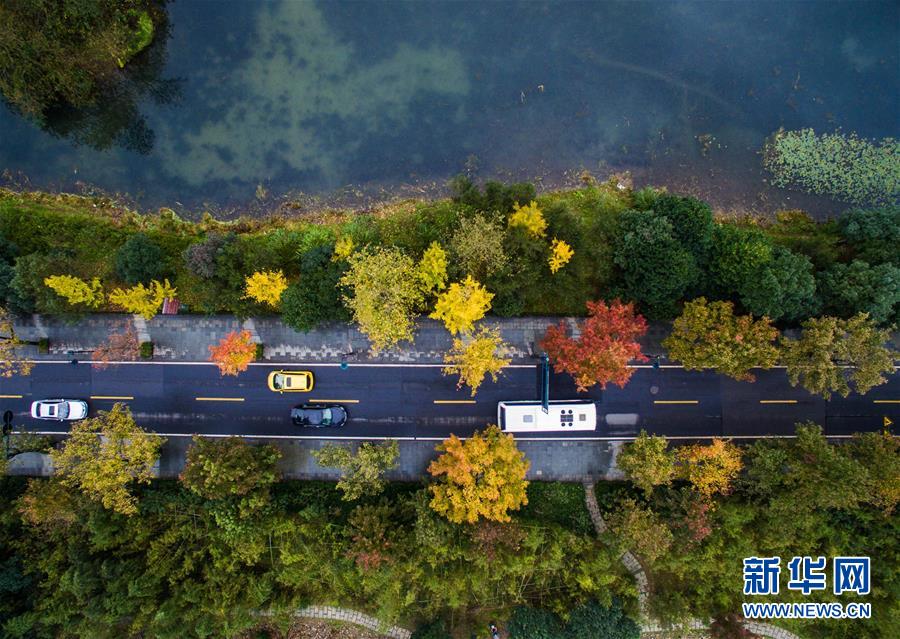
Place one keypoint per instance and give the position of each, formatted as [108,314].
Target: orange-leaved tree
[711,469]
[600,354]
[119,347]
[233,353]
[482,477]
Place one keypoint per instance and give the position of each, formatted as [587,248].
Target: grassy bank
[647,246]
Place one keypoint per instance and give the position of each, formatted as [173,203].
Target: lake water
[246,102]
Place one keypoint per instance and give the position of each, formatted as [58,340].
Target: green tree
[848,289]
[104,455]
[220,468]
[655,269]
[738,255]
[879,453]
[316,297]
[140,260]
[691,220]
[710,335]
[874,234]
[640,530]
[477,246]
[784,288]
[385,292]
[362,472]
[826,345]
[481,477]
[647,462]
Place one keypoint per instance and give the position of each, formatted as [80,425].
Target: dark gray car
[319,415]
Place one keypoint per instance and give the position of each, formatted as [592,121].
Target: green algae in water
[299,76]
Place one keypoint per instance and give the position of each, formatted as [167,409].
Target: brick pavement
[188,337]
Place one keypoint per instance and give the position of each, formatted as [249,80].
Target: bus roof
[528,416]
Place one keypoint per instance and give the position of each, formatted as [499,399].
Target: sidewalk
[574,461]
[188,337]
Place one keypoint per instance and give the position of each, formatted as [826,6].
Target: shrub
[140,260]
[44,345]
[843,166]
[146,350]
[558,502]
[797,231]
[431,630]
[316,297]
[495,197]
[534,623]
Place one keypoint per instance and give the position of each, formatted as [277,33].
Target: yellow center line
[778,401]
[675,401]
[454,401]
[886,401]
[10,397]
[219,399]
[334,401]
[112,397]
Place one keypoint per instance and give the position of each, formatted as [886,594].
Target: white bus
[563,416]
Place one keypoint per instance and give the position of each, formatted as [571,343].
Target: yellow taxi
[291,381]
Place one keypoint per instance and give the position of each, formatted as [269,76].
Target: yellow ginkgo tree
[461,305]
[343,248]
[475,357]
[432,269]
[266,287]
[560,254]
[77,290]
[143,300]
[530,218]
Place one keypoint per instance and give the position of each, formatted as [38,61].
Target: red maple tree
[233,353]
[600,354]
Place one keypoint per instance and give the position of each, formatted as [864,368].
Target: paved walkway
[330,613]
[188,337]
[649,626]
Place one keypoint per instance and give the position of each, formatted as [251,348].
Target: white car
[59,409]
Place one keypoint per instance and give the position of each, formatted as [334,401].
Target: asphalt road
[418,401]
